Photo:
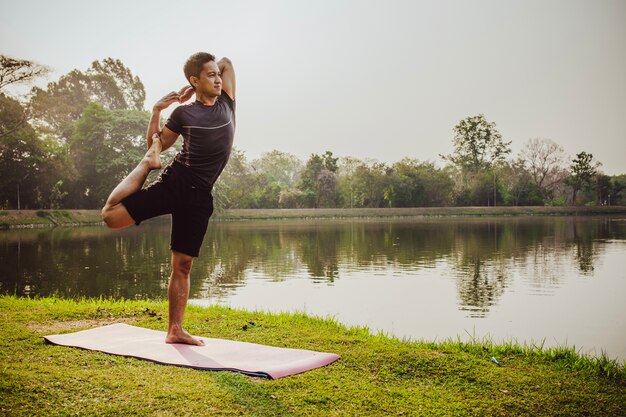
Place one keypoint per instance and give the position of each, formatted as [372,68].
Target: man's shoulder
[181,112]
[183,108]
[225,98]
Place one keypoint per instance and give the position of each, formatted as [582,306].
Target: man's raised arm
[227,71]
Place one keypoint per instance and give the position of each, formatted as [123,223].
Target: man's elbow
[226,62]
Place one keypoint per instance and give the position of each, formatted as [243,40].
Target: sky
[365,79]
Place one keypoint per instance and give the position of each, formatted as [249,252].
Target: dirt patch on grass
[56,327]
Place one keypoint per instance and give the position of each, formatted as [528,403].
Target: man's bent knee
[107,217]
[116,217]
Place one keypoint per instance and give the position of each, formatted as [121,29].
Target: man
[184,188]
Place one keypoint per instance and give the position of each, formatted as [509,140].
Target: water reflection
[480,254]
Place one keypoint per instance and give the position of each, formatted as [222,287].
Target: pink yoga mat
[217,354]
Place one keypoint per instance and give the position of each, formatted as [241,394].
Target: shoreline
[18,219]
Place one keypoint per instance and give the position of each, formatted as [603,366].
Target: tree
[14,71]
[478,146]
[279,167]
[109,83]
[55,109]
[79,137]
[603,189]
[618,186]
[263,183]
[519,188]
[292,198]
[105,146]
[582,173]
[25,162]
[362,183]
[417,184]
[369,184]
[545,162]
[236,184]
[474,188]
[319,180]
[114,85]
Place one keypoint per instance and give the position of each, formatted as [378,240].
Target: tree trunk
[494,190]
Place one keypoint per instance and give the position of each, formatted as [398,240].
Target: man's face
[209,82]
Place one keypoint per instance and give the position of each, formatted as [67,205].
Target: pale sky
[382,80]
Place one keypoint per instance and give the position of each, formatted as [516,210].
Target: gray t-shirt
[208,133]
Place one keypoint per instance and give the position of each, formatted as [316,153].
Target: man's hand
[166,101]
[185,93]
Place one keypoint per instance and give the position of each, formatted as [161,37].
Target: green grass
[376,376]
[322,213]
[25,218]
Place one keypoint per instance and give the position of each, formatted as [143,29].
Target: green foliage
[603,188]
[104,147]
[363,185]
[477,144]
[110,83]
[56,195]
[478,149]
[264,183]
[417,184]
[318,180]
[27,163]
[279,168]
[582,173]
[475,189]
[55,108]
[233,188]
[293,198]
[617,194]
[115,85]
[269,195]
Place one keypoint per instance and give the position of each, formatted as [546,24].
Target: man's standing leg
[177,294]
[114,213]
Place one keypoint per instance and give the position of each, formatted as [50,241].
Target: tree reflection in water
[479,254]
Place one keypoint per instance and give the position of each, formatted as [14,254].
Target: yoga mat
[217,354]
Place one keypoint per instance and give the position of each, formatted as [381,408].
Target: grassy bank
[49,218]
[239,214]
[376,376]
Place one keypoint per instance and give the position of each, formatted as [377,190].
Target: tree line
[69,144]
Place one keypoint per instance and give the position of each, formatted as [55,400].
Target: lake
[556,280]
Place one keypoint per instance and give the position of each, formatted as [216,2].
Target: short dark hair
[194,64]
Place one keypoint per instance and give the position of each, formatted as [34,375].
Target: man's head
[203,74]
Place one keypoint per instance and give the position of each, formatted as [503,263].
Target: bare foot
[153,156]
[181,336]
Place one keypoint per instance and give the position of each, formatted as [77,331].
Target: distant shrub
[557,202]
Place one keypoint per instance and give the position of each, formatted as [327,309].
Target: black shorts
[190,207]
